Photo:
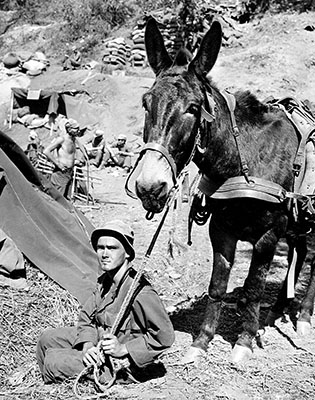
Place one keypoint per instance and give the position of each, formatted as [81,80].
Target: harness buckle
[296,169]
[236,131]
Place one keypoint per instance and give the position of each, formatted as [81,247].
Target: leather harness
[259,188]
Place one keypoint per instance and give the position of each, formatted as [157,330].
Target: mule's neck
[220,159]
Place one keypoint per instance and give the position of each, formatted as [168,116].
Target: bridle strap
[155,147]
[209,116]
[161,149]
[231,103]
[165,153]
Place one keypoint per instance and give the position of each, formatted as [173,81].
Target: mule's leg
[303,325]
[282,300]
[224,246]
[254,287]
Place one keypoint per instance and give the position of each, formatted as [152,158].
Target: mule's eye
[193,109]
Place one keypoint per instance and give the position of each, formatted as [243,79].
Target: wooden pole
[51,128]
[11,110]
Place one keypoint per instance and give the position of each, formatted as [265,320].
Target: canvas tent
[67,103]
[41,102]
[52,234]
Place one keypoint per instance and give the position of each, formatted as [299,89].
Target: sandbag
[11,60]
[34,67]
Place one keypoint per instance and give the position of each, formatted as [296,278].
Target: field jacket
[146,330]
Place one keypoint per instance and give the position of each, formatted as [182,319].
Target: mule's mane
[249,107]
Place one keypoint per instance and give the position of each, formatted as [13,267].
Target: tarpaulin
[55,239]
[82,111]
[65,103]
[47,102]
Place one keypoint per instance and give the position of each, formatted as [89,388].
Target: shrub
[248,8]
[96,16]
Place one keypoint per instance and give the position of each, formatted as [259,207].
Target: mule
[232,139]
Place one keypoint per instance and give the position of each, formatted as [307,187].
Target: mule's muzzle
[153,197]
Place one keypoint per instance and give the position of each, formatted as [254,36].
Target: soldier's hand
[90,355]
[111,346]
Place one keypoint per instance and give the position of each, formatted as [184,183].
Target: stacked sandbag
[33,67]
[11,60]
[169,27]
[116,53]
[172,34]
[138,53]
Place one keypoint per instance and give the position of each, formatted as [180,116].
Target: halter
[165,153]
[161,149]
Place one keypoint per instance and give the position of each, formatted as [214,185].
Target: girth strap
[238,187]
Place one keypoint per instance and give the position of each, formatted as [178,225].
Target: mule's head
[172,112]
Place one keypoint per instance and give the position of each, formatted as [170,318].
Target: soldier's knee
[61,364]
[46,337]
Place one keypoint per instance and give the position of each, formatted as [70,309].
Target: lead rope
[176,208]
[123,309]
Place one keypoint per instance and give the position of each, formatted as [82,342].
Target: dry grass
[24,314]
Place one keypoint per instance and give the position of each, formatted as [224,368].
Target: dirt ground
[274,56]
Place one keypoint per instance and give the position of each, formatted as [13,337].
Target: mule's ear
[154,44]
[208,50]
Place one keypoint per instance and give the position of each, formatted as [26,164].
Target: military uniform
[146,330]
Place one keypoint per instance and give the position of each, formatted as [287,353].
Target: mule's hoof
[240,354]
[193,355]
[260,338]
[303,328]
[272,318]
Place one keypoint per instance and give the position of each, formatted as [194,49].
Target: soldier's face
[111,253]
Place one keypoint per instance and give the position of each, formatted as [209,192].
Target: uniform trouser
[96,158]
[56,358]
[61,180]
[124,161]
[119,160]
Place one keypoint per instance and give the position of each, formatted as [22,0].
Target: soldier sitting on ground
[145,330]
[118,154]
[96,148]
[72,61]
